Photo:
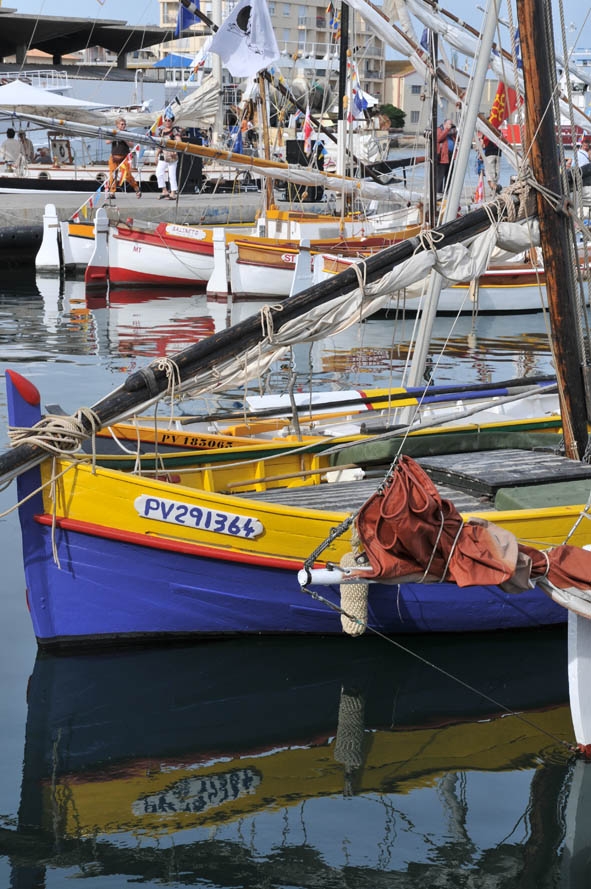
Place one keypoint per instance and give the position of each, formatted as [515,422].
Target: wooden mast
[269,200]
[539,75]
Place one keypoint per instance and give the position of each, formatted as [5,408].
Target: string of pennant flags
[94,201]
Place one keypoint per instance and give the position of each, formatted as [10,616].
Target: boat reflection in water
[52,317]
[297,762]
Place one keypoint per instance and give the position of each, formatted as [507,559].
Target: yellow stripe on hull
[108,498]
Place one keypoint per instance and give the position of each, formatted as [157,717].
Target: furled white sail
[468,45]
[197,108]
[456,263]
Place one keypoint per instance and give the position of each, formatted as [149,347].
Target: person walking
[577,172]
[168,160]
[119,163]
[492,162]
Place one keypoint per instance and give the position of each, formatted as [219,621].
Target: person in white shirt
[167,160]
[576,176]
[10,149]
[581,154]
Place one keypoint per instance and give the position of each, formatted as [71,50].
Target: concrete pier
[26,209]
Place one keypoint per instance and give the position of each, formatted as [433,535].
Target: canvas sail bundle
[408,532]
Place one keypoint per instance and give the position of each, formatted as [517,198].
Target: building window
[286,10]
[414,116]
[416,89]
[271,8]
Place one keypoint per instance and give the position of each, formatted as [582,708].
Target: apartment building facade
[308,37]
[406,89]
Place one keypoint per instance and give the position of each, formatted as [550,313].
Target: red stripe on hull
[176,546]
[159,238]
[127,278]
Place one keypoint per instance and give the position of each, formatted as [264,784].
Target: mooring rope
[58,435]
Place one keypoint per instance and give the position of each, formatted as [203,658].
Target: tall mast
[434,52]
[539,75]
[341,116]
[264,112]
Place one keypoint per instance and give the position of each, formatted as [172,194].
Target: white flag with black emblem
[246,41]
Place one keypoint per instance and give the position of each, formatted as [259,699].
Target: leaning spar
[362,188]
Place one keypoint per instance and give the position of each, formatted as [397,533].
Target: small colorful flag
[307,130]
[479,193]
[504,104]
[518,57]
[185,18]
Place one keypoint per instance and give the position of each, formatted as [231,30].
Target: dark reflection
[299,762]
[19,281]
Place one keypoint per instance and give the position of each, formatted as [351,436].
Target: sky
[577,15]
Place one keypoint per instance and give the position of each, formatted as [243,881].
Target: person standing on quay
[167,160]
[492,162]
[27,147]
[119,163]
[445,148]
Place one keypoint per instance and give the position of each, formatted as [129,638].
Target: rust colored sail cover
[409,532]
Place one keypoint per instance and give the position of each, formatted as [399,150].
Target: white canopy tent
[18,98]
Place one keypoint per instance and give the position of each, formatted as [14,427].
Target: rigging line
[569,96]
[441,670]
[442,420]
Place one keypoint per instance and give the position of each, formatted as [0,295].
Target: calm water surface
[263,762]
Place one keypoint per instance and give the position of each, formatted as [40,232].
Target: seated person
[42,156]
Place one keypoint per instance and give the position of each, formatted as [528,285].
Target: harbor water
[268,761]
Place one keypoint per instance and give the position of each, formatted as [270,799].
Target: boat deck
[350,496]
[470,481]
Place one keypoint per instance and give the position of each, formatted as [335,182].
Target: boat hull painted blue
[104,589]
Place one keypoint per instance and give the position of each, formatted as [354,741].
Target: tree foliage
[397,115]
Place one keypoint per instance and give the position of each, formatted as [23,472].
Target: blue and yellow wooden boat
[113,556]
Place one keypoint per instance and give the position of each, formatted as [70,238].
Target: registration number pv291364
[188,515]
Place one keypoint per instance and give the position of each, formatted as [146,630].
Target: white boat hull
[171,254]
